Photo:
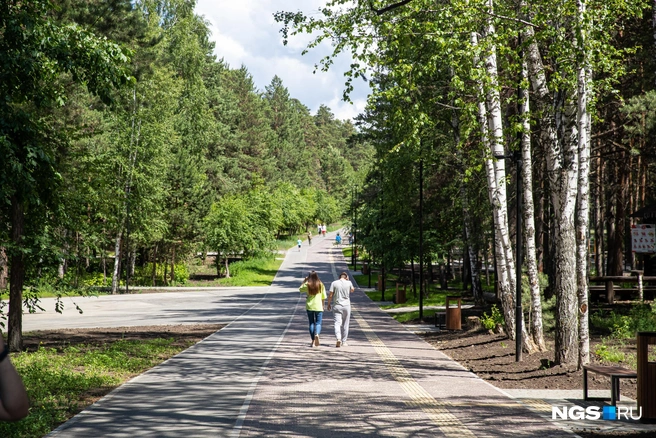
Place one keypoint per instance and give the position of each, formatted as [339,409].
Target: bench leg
[585,384]
[614,390]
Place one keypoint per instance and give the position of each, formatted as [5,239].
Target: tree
[36,52]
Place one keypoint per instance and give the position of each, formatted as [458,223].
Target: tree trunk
[117,263]
[4,268]
[536,332]
[227,266]
[173,265]
[490,121]
[17,277]
[562,170]
[154,272]
[583,210]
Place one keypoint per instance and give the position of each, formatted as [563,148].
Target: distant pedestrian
[341,289]
[309,238]
[14,403]
[299,242]
[316,293]
[319,229]
[323,230]
[338,239]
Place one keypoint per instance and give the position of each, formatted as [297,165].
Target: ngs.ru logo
[594,413]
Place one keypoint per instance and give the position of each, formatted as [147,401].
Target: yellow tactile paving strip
[448,423]
[419,397]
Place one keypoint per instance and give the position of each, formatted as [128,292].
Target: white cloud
[246,33]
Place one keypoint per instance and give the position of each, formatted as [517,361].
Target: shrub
[495,318]
[640,318]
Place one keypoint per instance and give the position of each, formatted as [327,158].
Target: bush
[641,318]
[609,353]
[495,318]
[143,275]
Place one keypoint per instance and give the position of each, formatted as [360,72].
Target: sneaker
[344,344]
[339,344]
[316,340]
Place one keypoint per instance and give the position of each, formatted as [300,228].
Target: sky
[246,33]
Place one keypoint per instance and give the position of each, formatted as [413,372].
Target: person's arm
[330,297]
[304,287]
[14,404]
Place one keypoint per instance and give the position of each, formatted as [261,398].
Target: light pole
[421,239]
[353,227]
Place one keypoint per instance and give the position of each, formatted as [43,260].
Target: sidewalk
[259,377]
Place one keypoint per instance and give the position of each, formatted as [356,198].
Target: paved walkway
[258,377]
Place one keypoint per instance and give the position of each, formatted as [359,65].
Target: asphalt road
[217,306]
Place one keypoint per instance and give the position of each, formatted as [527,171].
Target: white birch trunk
[490,112]
[563,182]
[583,122]
[537,333]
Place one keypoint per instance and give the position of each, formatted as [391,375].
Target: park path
[259,377]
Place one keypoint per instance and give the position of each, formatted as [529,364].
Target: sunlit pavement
[259,377]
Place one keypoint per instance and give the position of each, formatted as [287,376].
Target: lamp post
[421,239]
[353,226]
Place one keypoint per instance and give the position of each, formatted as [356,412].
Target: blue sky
[246,33]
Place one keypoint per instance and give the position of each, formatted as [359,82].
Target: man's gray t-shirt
[341,292]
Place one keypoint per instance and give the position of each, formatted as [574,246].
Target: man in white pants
[341,289]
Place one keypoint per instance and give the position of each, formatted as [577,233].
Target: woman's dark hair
[314,284]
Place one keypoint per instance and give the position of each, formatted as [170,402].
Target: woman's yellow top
[314,302]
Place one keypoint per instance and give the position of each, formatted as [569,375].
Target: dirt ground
[492,357]
[183,334]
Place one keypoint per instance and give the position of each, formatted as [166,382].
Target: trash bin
[453,312]
[646,377]
[400,293]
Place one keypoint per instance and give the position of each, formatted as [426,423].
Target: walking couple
[340,290]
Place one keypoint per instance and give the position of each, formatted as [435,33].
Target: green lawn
[60,382]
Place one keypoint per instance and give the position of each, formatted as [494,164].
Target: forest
[129,146]
[482,109]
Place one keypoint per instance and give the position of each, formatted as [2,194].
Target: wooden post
[646,376]
[610,292]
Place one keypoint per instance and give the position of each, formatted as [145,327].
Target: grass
[253,272]
[60,382]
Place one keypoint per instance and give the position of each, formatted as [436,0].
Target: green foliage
[620,326]
[609,354]
[495,318]
[143,275]
[57,379]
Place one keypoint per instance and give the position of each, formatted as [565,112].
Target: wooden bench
[615,374]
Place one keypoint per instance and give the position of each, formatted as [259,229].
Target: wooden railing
[610,280]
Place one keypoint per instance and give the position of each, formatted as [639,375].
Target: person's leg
[317,327]
[346,314]
[311,319]
[337,314]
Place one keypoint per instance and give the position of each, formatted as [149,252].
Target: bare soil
[492,358]
[183,335]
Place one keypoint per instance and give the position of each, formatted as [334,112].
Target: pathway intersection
[259,377]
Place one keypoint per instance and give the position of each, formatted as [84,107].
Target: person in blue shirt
[298,242]
[338,239]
